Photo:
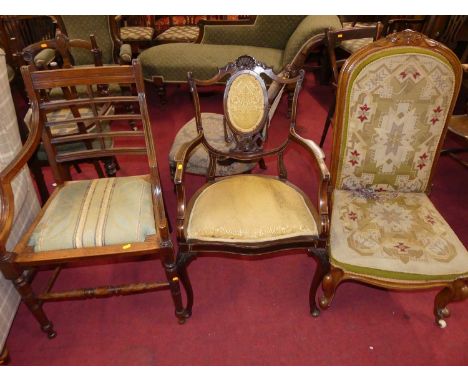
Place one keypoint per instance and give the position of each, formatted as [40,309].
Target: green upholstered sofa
[275,40]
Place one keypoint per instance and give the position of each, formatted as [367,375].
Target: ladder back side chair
[88,220]
[249,214]
[350,39]
[394,100]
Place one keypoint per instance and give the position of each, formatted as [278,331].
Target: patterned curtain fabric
[26,202]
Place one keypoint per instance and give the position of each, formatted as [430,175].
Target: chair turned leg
[14,274]
[173,279]
[160,89]
[111,166]
[456,291]
[329,284]
[4,356]
[323,267]
[183,260]
[331,111]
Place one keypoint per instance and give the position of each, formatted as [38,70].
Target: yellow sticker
[126,246]
[179,166]
[175,279]
[340,35]
[43,45]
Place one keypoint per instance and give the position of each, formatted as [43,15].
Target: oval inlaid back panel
[245,103]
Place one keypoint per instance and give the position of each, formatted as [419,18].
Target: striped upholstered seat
[96,213]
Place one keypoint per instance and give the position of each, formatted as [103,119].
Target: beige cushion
[354,45]
[95,213]
[199,160]
[250,208]
[185,33]
[136,33]
[394,235]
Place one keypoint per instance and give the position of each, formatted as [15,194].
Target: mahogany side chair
[249,214]
[395,98]
[349,39]
[119,218]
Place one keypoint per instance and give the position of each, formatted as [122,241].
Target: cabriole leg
[173,279]
[323,267]
[329,284]
[183,260]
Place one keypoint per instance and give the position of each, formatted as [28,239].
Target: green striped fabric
[95,213]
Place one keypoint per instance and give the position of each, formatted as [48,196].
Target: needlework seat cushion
[392,235]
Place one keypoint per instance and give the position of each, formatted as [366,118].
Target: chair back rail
[90,76]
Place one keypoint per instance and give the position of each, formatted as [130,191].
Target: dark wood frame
[316,246]
[332,39]
[455,290]
[20,264]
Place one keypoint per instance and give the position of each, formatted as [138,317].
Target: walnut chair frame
[249,147]
[20,265]
[452,290]
[333,37]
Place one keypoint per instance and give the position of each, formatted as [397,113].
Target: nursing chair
[394,100]
[249,214]
[88,221]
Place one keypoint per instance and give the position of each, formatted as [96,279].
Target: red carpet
[248,312]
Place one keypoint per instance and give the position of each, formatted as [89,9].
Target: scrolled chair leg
[323,267]
[14,274]
[183,259]
[457,291]
[329,284]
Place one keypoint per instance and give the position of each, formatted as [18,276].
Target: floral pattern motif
[397,107]
[394,231]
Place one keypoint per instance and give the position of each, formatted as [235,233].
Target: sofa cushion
[250,208]
[179,33]
[95,213]
[173,61]
[308,28]
[394,235]
[267,31]
[136,33]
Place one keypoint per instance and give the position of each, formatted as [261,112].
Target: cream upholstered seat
[392,235]
[213,127]
[95,213]
[250,208]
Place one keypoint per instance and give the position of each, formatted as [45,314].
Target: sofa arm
[125,54]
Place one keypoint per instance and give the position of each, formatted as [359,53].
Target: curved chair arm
[319,156]
[181,160]
[7,201]
[125,54]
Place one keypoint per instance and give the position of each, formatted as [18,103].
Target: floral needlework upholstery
[94,213]
[250,208]
[198,163]
[393,235]
[185,33]
[136,33]
[394,115]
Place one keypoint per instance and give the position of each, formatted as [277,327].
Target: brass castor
[442,323]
